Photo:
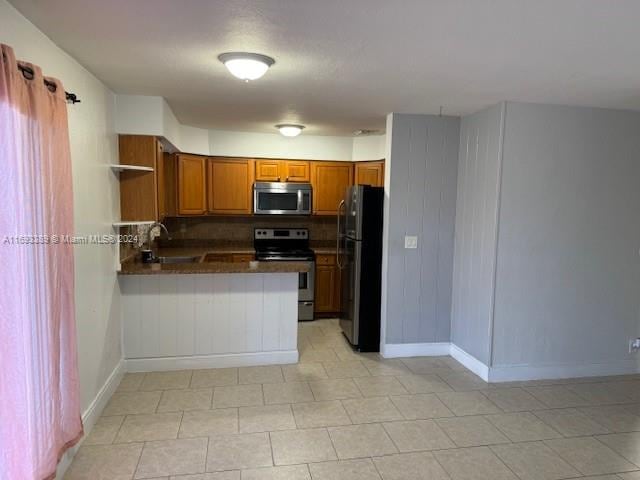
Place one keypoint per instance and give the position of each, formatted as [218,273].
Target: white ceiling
[341,65]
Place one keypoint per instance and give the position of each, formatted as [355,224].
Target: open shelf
[122,168]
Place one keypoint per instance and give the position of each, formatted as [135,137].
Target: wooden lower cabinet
[228,257]
[327,295]
[370,173]
[242,257]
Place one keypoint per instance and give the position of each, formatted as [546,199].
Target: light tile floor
[344,415]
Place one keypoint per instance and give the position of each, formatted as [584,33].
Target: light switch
[410,241]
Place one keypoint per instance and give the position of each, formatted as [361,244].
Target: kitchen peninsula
[209,314]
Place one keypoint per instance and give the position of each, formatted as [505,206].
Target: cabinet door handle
[286,179]
[278,178]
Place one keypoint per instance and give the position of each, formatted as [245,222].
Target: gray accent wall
[421,172]
[568,266]
[476,231]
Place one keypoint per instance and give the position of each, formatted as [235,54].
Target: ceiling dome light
[246,66]
[290,129]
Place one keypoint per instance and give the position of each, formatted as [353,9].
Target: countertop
[135,267]
[139,268]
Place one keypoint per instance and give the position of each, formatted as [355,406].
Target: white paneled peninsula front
[174,319]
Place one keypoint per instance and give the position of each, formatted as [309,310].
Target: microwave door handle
[299,201]
[339,235]
[255,199]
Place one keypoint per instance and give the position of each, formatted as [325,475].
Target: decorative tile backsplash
[240,229]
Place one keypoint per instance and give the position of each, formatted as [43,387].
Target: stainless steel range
[289,244]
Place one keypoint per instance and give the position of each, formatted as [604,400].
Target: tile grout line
[624,406]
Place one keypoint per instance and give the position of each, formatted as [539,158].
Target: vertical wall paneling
[568,271]
[191,315]
[421,180]
[220,310]
[271,302]
[203,305]
[254,314]
[476,231]
[546,269]
[186,309]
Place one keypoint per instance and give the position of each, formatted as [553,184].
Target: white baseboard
[92,413]
[511,373]
[95,408]
[470,362]
[212,361]
[393,350]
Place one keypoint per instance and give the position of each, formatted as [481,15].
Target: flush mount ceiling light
[246,66]
[290,129]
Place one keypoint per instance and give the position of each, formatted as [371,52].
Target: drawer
[324,259]
[242,257]
[218,257]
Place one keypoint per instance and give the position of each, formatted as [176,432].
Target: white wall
[420,180]
[194,140]
[139,115]
[146,115]
[149,115]
[568,270]
[370,147]
[479,166]
[96,198]
[274,145]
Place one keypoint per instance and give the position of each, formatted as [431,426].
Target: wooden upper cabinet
[192,196]
[296,171]
[370,173]
[229,185]
[167,185]
[329,181]
[138,150]
[161,183]
[138,189]
[268,170]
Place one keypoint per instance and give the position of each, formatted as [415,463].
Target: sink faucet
[151,227]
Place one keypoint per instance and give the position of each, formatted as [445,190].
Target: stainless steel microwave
[282,198]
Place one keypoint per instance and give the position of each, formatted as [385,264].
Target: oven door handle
[284,259]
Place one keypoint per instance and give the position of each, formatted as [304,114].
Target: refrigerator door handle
[338,237]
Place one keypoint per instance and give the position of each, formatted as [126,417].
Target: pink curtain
[39,394]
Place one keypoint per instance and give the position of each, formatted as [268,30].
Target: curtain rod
[29,73]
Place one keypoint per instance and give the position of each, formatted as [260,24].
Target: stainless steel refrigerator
[359,259]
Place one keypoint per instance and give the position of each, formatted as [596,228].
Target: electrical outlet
[410,241]
[634,345]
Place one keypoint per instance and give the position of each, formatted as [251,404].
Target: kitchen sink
[184,259]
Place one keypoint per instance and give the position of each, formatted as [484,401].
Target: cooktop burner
[282,244]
